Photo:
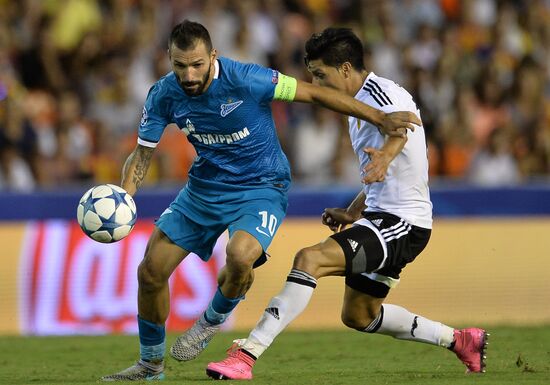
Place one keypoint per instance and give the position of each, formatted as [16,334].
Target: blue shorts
[202,211]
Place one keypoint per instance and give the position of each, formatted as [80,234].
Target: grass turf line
[515,356]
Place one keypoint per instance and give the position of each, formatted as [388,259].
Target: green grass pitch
[515,356]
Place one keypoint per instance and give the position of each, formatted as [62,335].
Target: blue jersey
[230,125]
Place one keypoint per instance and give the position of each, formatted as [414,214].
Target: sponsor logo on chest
[227,108]
[189,128]
[210,138]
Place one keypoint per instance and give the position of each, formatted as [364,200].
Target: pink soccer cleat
[237,366]
[470,345]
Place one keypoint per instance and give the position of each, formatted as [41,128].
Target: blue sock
[151,340]
[220,308]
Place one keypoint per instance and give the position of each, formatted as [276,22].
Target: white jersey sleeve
[405,191]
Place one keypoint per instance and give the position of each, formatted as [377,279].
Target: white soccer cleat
[191,343]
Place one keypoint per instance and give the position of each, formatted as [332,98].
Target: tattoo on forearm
[141,161]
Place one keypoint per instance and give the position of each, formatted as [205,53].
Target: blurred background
[74,75]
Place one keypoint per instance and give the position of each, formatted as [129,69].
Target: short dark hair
[185,35]
[335,46]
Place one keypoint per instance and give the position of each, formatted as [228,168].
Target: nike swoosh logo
[262,232]
[226,109]
[177,116]
[167,211]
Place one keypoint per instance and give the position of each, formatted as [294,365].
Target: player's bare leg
[161,259]
[233,282]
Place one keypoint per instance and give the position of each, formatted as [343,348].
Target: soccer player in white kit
[391,222]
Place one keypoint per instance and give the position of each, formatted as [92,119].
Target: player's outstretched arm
[380,159]
[392,124]
[135,168]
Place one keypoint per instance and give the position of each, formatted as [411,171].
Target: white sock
[400,323]
[282,309]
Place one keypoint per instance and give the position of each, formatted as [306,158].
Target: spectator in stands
[433,48]
[315,146]
[15,173]
[495,165]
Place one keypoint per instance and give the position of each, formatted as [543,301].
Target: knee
[359,319]
[149,277]
[239,262]
[306,260]
[354,322]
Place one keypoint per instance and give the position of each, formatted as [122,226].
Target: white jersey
[405,191]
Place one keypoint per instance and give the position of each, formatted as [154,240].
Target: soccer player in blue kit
[238,181]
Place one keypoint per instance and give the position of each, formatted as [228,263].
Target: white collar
[216,69]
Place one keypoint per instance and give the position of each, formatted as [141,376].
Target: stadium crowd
[74,75]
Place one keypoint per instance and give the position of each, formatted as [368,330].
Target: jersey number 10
[271,225]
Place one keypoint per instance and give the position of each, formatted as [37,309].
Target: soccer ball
[106,213]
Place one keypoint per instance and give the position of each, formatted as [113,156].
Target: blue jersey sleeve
[261,82]
[154,118]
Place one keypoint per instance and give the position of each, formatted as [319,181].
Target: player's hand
[337,219]
[377,168]
[397,123]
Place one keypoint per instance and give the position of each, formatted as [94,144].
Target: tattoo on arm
[141,159]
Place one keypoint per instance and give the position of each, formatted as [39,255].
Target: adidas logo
[273,311]
[353,244]
[377,222]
